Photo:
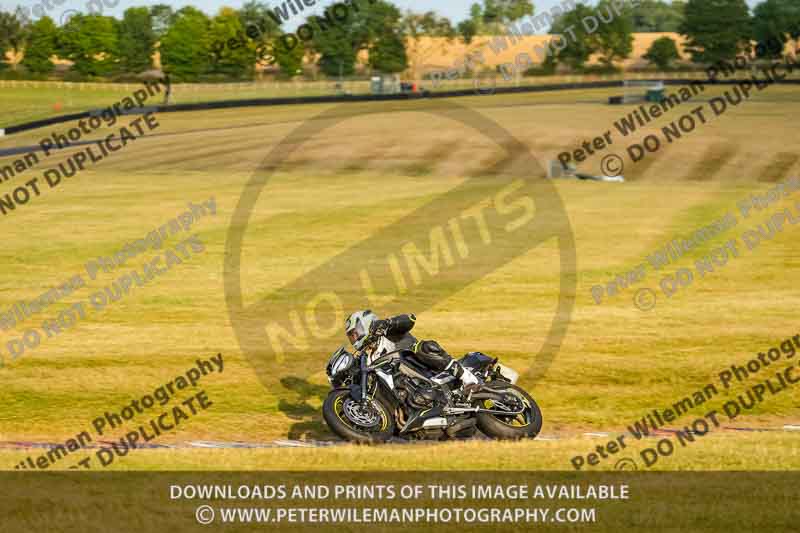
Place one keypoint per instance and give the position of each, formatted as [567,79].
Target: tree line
[195,46]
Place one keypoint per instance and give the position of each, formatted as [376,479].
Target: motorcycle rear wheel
[355,422]
[524,426]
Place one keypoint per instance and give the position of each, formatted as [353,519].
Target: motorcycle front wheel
[526,425]
[355,421]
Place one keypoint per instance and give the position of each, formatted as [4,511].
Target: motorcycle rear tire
[344,429]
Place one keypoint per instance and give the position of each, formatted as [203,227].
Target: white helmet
[357,327]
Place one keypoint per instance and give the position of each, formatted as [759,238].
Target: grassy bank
[359,177]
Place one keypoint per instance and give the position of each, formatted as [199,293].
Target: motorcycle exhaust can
[436,422]
[453,430]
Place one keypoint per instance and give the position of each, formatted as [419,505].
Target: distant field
[616,364]
[22,101]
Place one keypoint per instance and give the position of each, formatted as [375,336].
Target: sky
[455,10]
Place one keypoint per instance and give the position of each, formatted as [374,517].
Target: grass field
[23,101]
[357,178]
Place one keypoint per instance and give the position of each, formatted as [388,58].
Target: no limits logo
[410,265]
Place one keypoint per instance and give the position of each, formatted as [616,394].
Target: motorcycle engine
[415,392]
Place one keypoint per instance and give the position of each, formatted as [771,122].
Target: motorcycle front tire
[346,429]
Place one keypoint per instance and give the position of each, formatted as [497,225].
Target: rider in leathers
[378,337]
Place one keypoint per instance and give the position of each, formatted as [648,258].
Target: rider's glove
[379,328]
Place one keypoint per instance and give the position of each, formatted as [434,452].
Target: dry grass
[347,183]
[729,451]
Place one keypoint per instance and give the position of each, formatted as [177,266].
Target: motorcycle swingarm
[462,410]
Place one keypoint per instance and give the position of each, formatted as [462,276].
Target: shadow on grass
[309,424]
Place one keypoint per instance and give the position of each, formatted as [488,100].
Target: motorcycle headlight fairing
[340,361]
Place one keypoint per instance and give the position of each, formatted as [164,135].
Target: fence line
[300,86]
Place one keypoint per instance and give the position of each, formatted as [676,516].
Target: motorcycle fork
[364,393]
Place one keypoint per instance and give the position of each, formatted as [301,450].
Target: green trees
[388,54]
[662,53]
[417,26]
[655,16]
[502,12]
[493,16]
[337,40]
[233,54]
[374,26]
[90,42]
[12,33]
[717,30]
[774,23]
[606,30]
[193,45]
[290,62]
[185,47]
[427,34]
[262,30]
[385,36]
[467,29]
[614,36]
[136,40]
[580,44]
[162,17]
[338,49]
[41,46]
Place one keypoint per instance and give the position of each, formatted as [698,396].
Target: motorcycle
[395,396]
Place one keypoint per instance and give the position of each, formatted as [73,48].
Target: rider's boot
[455,370]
